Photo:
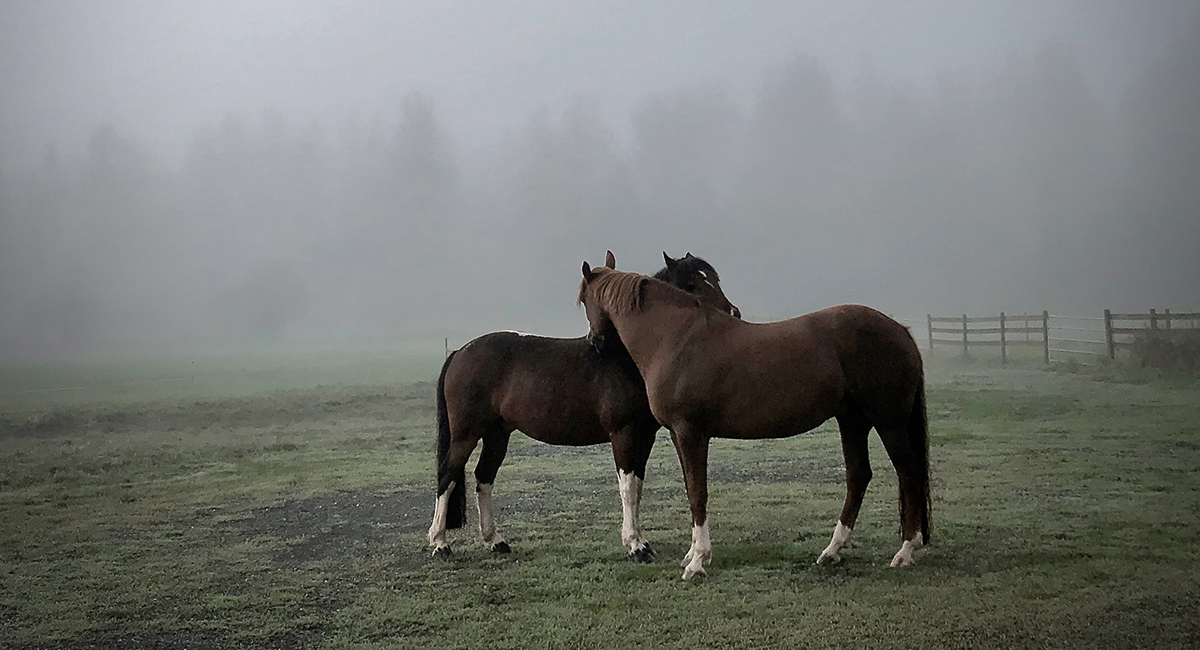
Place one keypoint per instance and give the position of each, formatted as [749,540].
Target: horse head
[603,292]
[698,277]
[599,324]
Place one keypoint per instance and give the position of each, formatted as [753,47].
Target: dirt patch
[374,522]
[357,524]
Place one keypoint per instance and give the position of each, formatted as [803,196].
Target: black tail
[918,438]
[456,514]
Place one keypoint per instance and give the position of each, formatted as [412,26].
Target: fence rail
[1153,315]
[1065,335]
[963,333]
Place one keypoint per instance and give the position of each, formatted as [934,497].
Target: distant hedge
[1172,350]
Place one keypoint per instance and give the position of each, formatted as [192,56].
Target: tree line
[1012,186]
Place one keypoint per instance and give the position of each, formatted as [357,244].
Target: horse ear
[587,271]
[670,262]
[688,256]
[609,260]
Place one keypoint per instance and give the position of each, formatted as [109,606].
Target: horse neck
[658,325]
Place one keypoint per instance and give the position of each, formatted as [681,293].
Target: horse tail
[456,512]
[918,439]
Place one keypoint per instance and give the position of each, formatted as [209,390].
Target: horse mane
[619,292]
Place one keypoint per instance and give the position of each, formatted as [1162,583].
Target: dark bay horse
[582,391]
[711,376]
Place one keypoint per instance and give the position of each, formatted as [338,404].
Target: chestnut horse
[582,391]
[711,376]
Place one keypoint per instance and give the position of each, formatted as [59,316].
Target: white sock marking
[630,487]
[441,507]
[699,554]
[487,522]
[904,557]
[841,535]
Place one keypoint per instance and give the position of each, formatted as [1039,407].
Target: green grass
[107,383]
[289,508]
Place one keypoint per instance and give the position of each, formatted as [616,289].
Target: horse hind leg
[631,450]
[854,429]
[913,480]
[495,447]
[448,506]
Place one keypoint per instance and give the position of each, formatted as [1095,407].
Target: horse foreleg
[631,449]
[490,458]
[692,448]
[858,474]
[630,486]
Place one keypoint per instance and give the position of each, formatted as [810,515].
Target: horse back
[853,356]
[560,391]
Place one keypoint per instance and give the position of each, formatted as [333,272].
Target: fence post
[1167,318]
[929,326]
[1153,321]
[964,335]
[1108,335]
[1003,351]
[1046,337]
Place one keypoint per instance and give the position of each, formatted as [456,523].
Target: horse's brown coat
[582,391]
[711,376]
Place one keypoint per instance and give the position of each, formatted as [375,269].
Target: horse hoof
[829,558]
[690,573]
[643,555]
[442,552]
[502,547]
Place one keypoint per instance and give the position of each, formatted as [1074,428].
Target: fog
[183,176]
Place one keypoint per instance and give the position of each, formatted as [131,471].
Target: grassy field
[269,503]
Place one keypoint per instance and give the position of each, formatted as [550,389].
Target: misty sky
[183,172]
[160,68]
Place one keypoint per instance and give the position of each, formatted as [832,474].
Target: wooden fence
[1156,324]
[968,331]
[1065,335]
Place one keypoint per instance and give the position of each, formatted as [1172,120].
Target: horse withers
[711,376]
[582,391]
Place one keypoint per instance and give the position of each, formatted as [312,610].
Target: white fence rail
[1060,336]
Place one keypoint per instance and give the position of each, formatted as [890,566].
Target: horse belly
[778,402]
[554,417]
[778,426]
